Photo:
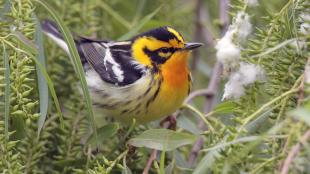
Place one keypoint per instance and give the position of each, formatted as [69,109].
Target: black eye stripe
[154,56]
[166,50]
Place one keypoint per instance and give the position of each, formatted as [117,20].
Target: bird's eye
[165,50]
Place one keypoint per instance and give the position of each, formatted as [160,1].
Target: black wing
[112,61]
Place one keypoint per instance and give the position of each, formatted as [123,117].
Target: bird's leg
[169,122]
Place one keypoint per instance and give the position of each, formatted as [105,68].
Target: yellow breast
[174,88]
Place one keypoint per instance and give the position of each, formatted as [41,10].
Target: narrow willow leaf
[138,26]
[104,133]
[162,139]
[50,87]
[258,122]
[76,62]
[225,107]
[223,145]
[26,43]
[180,161]
[42,83]
[206,162]
[270,50]
[6,8]
[302,114]
[7,92]
[116,16]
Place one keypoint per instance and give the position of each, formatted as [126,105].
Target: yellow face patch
[149,43]
[152,44]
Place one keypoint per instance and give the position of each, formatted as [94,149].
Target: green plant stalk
[162,162]
[266,105]
[156,166]
[272,27]
[255,170]
[122,141]
[7,93]
[48,79]
[201,115]
[76,62]
[121,156]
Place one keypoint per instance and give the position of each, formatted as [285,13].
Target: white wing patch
[59,42]
[115,66]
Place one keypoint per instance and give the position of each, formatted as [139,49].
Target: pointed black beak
[191,46]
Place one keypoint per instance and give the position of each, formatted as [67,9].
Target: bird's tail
[51,30]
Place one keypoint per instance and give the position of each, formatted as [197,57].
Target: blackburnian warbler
[145,78]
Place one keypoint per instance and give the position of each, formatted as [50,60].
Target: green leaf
[222,145]
[258,122]
[7,92]
[105,132]
[185,123]
[225,107]
[206,162]
[42,83]
[169,168]
[76,62]
[302,114]
[162,139]
[126,170]
[6,8]
[133,31]
[26,43]
[180,161]
[116,16]
[270,50]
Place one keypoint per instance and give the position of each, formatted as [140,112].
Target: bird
[144,78]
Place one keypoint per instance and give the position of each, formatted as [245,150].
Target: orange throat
[175,72]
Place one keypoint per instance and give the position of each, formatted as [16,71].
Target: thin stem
[150,162]
[213,83]
[294,89]
[255,170]
[294,151]
[201,115]
[265,106]
[162,162]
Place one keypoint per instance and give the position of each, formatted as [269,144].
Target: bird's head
[157,46]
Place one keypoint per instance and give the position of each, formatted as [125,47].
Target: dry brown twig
[296,148]
[294,151]
[213,84]
[168,123]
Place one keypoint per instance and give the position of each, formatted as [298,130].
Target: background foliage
[265,131]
